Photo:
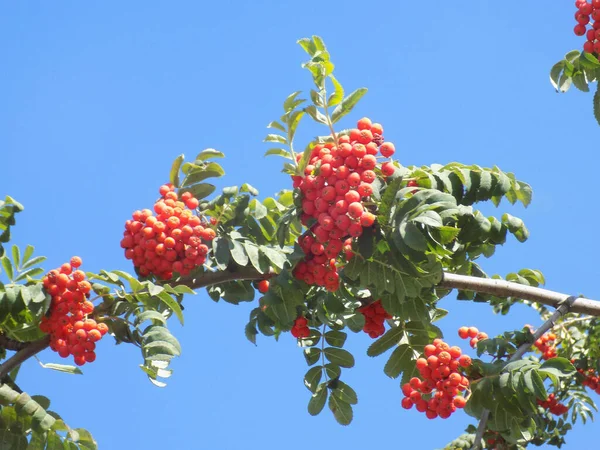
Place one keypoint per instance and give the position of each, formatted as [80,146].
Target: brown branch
[212,278]
[11,344]
[502,288]
[25,353]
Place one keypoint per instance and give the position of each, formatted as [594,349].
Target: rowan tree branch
[25,353]
[564,307]
[10,344]
[503,288]
[212,278]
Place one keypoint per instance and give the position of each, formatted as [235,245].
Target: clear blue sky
[97,99]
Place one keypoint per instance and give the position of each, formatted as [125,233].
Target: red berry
[263,286]
[388,169]
[387,149]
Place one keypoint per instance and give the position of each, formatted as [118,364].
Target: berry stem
[323,353]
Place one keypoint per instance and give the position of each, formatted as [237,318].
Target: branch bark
[212,278]
[10,344]
[22,355]
[503,288]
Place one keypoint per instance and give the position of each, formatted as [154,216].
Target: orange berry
[364,124]
[465,360]
[76,261]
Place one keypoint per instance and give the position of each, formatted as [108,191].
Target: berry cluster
[473,334]
[171,241]
[545,345]
[586,10]
[336,182]
[551,404]
[375,316]
[591,379]
[71,331]
[300,328]
[440,371]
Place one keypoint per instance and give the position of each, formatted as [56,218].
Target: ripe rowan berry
[263,286]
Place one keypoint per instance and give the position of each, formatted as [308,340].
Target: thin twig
[561,310]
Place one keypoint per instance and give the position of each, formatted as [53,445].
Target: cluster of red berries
[375,316]
[591,379]
[545,345]
[71,331]
[586,10]
[473,334]
[300,328]
[551,404]
[440,370]
[336,182]
[171,241]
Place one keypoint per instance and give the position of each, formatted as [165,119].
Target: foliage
[427,224]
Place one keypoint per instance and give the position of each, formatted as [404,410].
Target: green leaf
[413,237]
[28,253]
[275,256]
[200,190]
[345,393]
[347,104]
[317,98]
[559,367]
[275,138]
[313,378]
[237,253]
[277,126]
[597,104]
[62,368]
[341,410]
[317,115]
[32,262]
[538,385]
[174,174]
[29,273]
[254,256]
[8,268]
[333,371]
[201,173]
[384,343]
[151,315]
[209,153]
[308,46]
[221,252]
[172,304]
[317,401]
[580,82]
[338,95]
[279,152]
[312,355]
[564,83]
[16,255]
[291,102]
[338,356]
[335,338]
[555,73]
[400,360]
